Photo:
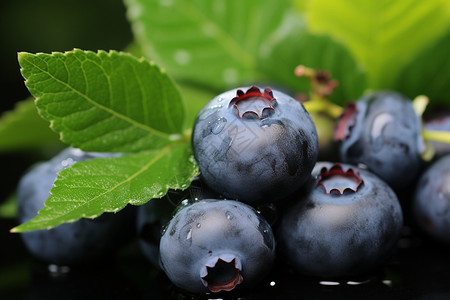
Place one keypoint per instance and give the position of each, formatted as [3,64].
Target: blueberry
[71,243]
[383,132]
[344,222]
[155,214]
[216,245]
[254,146]
[431,200]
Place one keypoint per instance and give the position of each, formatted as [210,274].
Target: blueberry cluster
[259,148]
[262,197]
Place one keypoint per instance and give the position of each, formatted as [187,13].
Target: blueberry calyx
[222,273]
[336,181]
[346,122]
[253,101]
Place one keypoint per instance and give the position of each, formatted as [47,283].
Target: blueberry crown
[253,101]
[346,122]
[336,181]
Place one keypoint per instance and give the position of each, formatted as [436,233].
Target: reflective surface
[419,269]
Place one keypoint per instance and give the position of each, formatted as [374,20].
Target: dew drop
[186,235]
[209,29]
[209,111]
[67,162]
[166,3]
[135,11]
[231,76]
[182,57]
[175,137]
[218,125]
[56,271]
[229,215]
[198,225]
[330,283]
[164,229]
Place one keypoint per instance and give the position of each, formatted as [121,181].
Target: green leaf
[215,43]
[195,98]
[23,129]
[8,209]
[318,52]
[104,101]
[428,74]
[89,188]
[383,35]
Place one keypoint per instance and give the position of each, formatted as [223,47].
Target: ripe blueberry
[70,243]
[344,222]
[254,146]
[154,215]
[216,245]
[431,200]
[383,132]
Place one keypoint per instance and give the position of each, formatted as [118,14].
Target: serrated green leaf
[23,129]
[89,188]
[104,101]
[428,74]
[318,52]
[383,35]
[215,43]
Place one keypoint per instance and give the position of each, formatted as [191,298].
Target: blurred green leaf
[104,101]
[14,276]
[383,35]
[429,73]
[8,209]
[214,43]
[195,98]
[318,52]
[23,129]
[89,188]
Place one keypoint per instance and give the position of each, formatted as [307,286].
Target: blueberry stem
[322,85]
[187,133]
[420,104]
[318,104]
[436,136]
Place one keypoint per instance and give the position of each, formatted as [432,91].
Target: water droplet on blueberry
[219,125]
[209,111]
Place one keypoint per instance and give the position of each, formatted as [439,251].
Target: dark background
[55,25]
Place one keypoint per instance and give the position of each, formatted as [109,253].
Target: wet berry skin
[155,214]
[254,145]
[216,245]
[79,242]
[431,200]
[383,132]
[345,222]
